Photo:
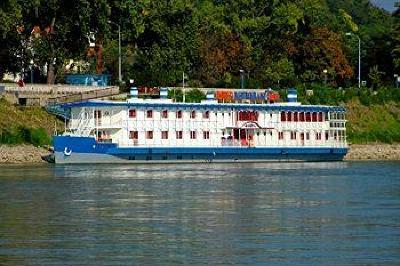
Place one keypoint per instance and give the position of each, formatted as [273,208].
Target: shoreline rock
[376,151]
[22,154]
[28,154]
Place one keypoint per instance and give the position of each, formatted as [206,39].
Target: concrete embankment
[21,154]
[378,152]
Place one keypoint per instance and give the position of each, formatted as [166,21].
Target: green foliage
[395,32]
[375,123]
[375,76]
[195,96]
[276,41]
[280,73]
[333,96]
[176,95]
[19,135]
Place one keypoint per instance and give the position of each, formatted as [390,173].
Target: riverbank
[386,152]
[22,154]
[26,154]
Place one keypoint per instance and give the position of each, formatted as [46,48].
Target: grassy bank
[26,125]
[373,115]
[374,123]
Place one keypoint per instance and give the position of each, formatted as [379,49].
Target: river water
[345,213]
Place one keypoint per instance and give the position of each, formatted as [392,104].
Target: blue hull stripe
[82,145]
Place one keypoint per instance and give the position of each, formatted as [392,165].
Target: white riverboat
[229,126]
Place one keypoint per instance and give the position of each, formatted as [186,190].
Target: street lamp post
[241,79]
[359,57]
[32,65]
[119,52]
[325,76]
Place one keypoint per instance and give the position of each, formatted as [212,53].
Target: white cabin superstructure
[197,125]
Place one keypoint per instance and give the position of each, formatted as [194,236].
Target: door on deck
[302,139]
[97,116]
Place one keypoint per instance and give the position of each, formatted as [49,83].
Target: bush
[39,137]
[10,136]
[34,136]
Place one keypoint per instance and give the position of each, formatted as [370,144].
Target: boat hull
[78,150]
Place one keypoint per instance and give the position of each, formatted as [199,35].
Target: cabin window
[132,113]
[308,136]
[206,115]
[293,135]
[149,113]
[296,116]
[283,116]
[149,134]
[133,135]
[301,117]
[179,134]
[164,114]
[280,135]
[164,134]
[318,136]
[193,114]
[179,114]
[192,134]
[320,117]
[248,116]
[206,134]
[289,117]
[314,117]
[308,117]
[326,135]
[97,114]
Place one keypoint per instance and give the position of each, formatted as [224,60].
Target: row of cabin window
[306,135]
[337,116]
[165,135]
[303,116]
[242,116]
[206,135]
[164,114]
[334,124]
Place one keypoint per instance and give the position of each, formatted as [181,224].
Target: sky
[386,4]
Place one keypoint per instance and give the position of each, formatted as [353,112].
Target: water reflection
[303,213]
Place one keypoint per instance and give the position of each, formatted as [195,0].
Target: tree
[49,32]
[222,55]
[280,73]
[396,38]
[10,16]
[208,39]
[195,96]
[375,75]
[322,50]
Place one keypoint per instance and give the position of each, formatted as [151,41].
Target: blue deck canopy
[210,106]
